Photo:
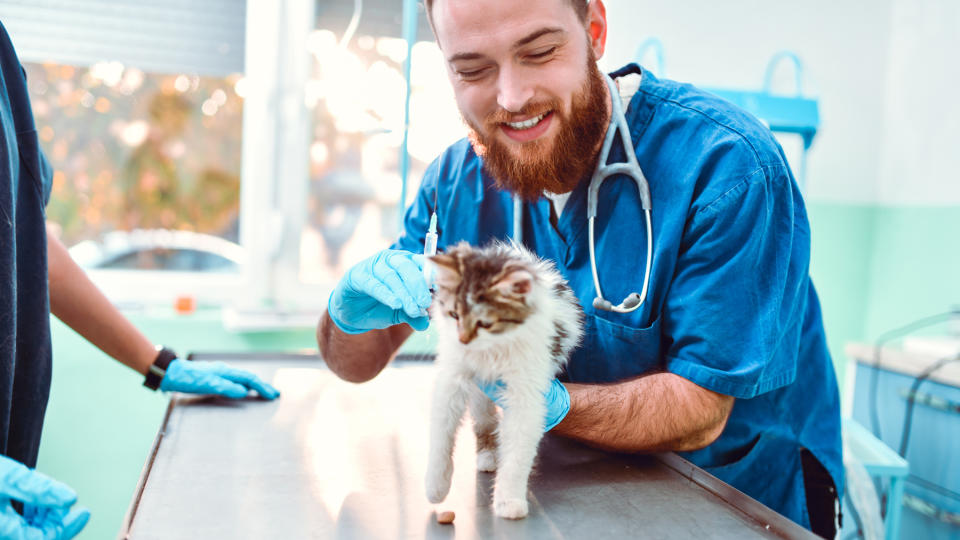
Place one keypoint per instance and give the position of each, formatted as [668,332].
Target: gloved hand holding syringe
[391,287]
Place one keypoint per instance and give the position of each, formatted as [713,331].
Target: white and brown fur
[503,314]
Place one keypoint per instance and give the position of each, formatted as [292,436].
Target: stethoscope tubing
[618,123]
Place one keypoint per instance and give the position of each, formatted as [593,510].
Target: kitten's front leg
[484,414]
[449,404]
[521,429]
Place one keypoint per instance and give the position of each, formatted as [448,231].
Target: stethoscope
[631,168]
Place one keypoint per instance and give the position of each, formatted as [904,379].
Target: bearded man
[726,361]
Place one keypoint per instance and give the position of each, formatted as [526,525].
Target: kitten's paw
[438,485]
[510,508]
[486,460]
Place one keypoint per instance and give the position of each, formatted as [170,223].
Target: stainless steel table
[331,459]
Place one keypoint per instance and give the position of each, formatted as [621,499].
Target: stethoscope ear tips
[631,301]
[629,304]
[600,303]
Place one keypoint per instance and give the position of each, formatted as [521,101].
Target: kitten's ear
[517,282]
[448,270]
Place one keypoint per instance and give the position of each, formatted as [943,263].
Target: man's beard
[538,166]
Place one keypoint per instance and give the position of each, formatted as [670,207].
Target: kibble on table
[446,517]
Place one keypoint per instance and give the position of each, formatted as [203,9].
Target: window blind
[202,37]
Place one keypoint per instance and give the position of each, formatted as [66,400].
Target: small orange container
[185,304]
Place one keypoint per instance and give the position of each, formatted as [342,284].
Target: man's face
[527,85]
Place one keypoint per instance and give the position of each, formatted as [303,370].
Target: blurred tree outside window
[134,150]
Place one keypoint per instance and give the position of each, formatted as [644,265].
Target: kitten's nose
[466,336]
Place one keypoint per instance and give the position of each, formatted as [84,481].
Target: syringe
[429,249]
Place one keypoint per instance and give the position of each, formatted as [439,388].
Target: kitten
[501,314]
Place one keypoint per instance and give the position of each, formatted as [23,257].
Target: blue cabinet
[931,498]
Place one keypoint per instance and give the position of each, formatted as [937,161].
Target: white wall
[885,72]
[920,160]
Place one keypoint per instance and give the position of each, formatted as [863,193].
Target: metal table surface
[332,459]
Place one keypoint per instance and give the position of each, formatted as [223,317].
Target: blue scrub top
[730,306]
[25,181]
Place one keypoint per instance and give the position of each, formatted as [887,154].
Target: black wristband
[158,369]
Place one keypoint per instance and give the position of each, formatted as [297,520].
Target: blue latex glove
[213,378]
[557,397]
[383,290]
[46,505]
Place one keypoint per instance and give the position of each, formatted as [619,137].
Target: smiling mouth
[527,124]
[529,129]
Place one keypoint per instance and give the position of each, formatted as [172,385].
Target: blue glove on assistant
[213,378]
[46,505]
[557,397]
[383,290]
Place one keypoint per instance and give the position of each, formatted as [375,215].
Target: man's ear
[597,27]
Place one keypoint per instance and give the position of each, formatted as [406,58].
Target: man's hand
[556,396]
[383,290]
[213,378]
[46,505]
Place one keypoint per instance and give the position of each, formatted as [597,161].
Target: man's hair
[579,6]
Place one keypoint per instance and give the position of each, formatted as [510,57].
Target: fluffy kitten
[501,314]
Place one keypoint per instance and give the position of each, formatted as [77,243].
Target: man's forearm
[358,357]
[76,301]
[656,413]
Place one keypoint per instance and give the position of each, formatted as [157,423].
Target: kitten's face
[483,291]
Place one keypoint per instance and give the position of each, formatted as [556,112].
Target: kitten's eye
[484,324]
[453,315]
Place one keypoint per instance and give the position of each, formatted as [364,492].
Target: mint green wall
[878,268]
[916,266]
[841,247]
[874,268]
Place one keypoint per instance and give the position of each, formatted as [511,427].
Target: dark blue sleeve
[18,114]
[25,351]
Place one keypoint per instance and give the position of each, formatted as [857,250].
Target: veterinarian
[725,361]
[32,505]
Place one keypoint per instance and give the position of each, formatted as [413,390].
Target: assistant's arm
[358,357]
[655,413]
[76,301]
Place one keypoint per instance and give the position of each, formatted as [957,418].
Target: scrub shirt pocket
[769,471]
[613,352]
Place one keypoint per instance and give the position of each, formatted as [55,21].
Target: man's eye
[471,74]
[541,55]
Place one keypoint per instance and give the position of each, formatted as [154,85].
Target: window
[254,123]
[355,95]
[135,150]
[139,108]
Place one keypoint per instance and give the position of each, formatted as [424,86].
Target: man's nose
[514,91]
